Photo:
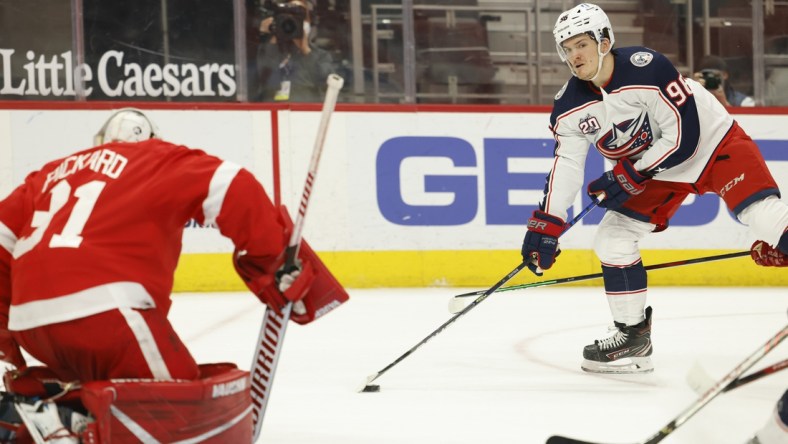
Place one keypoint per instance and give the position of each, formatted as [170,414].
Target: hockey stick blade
[475,302]
[565,440]
[443,326]
[700,381]
[459,302]
[370,378]
[719,387]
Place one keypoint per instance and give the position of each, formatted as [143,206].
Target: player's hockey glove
[765,255]
[618,185]
[540,246]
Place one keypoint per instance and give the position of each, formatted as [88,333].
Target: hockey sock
[782,245]
[626,292]
[775,430]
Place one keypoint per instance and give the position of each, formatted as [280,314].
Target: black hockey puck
[372,388]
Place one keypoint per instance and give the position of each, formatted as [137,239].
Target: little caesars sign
[56,76]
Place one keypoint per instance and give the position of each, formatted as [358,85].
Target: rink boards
[405,195]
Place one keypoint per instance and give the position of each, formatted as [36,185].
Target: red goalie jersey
[93,239]
[102,228]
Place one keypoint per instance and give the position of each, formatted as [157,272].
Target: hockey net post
[272,331]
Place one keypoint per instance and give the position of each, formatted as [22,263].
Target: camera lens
[711,78]
[288,27]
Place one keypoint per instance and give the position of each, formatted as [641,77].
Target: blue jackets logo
[627,138]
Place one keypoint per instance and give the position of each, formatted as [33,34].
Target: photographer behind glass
[289,67]
[713,74]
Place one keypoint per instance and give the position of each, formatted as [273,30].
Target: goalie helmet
[126,125]
[583,18]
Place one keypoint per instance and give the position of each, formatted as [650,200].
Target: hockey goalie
[89,248]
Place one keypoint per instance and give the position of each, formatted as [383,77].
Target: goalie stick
[458,303]
[366,387]
[272,331]
[719,387]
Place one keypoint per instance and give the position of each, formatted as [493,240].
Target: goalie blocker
[315,286]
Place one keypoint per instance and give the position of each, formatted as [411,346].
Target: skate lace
[613,341]
[60,433]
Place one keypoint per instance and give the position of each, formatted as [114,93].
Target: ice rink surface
[506,372]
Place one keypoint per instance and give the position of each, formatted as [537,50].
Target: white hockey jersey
[667,125]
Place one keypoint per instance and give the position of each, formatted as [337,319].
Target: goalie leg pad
[213,409]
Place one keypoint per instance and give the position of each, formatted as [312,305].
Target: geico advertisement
[390,181]
[456,181]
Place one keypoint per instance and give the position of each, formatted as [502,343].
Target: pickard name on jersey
[104,161]
[667,125]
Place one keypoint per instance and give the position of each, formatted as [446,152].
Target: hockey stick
[719,387]
[272,332]
[700,381]
[458,303]
[373,388]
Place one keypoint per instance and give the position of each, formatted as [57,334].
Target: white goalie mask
[126,125]
[583,18]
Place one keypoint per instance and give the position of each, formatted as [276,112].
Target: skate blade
[620,366]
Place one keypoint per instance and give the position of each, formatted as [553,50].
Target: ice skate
[45,422]
[628,350]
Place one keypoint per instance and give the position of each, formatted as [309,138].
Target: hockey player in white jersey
[665,137]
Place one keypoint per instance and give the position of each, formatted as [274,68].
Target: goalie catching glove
[767,256]
[309,285]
